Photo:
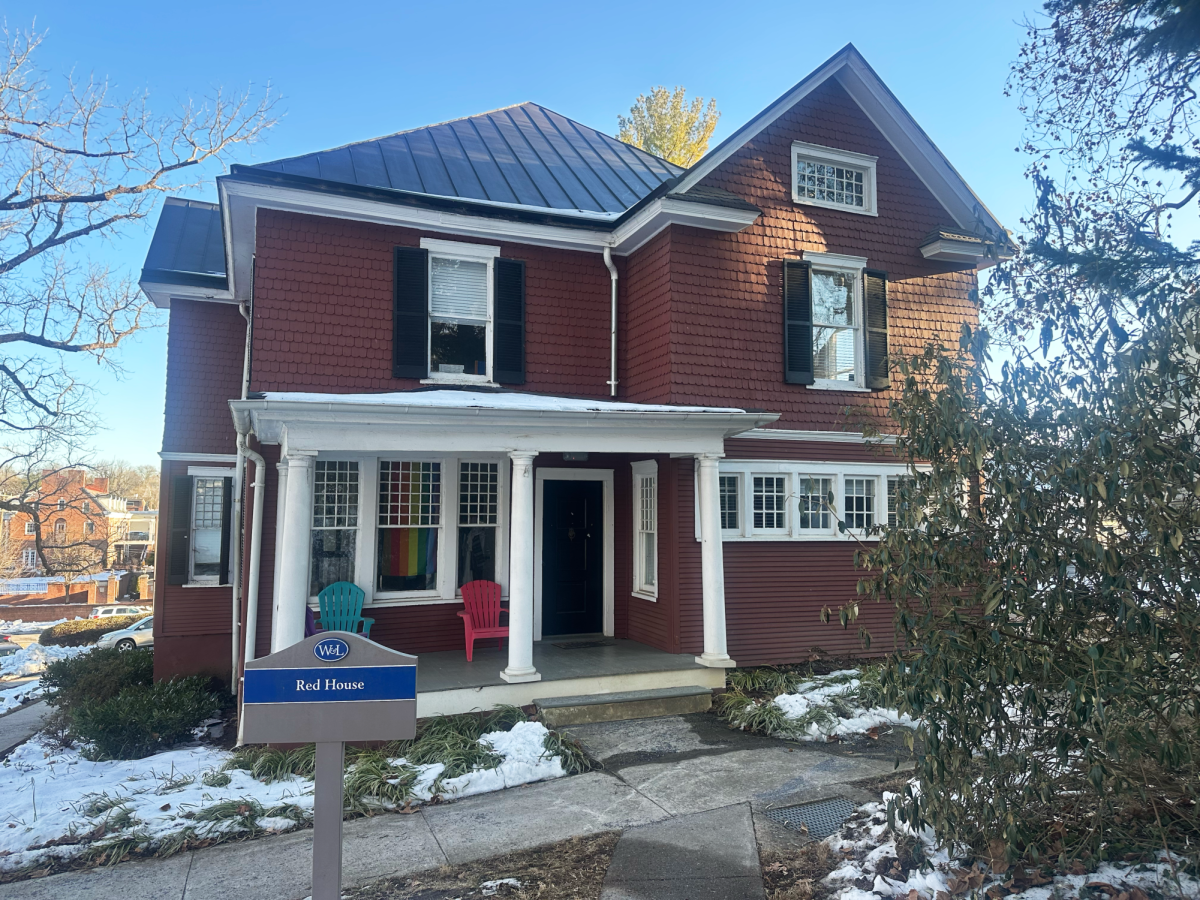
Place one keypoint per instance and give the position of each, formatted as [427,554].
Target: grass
[749,704]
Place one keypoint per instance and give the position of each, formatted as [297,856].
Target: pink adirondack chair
[482,615]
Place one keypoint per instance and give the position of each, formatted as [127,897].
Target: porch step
[588,708]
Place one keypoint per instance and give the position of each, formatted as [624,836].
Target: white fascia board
[639,229]
[832,437]
[966,252]
[915,147]
[835,260]
[160,294]
[176,456]
[241,200]
[354,428]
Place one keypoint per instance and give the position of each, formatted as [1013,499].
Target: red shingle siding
[645,314]
[726,296]
[206,345]
[815,451]
[323,309]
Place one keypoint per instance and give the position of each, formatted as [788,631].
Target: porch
[569,665]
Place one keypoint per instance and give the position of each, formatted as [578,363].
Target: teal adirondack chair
[341,609]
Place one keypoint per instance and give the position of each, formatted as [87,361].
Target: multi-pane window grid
[208,502]
[894,487]
[410,493]
[649,505]
[478,493]
[335,494]
[829,183]
[814,503]
[729,502]
[770,499]
[29,558]
[860,502]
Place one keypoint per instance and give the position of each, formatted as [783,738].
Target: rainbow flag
[407,552]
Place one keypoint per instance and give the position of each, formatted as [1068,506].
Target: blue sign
[340,684]
[330,649]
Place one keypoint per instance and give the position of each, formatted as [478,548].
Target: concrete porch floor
[448,684]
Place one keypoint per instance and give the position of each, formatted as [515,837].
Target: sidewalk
[655,770]
[21,724]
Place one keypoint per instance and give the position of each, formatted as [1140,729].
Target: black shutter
[797,322]
[226,527]
[179,549]
[875,334]
[410,314]
[508,330]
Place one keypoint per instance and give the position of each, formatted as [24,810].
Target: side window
[814,510]
[645,529]
[410,519]
[770,503]
[478,516]
[208,517]
[335,523]
[860,503]
[29,529]
[729,494]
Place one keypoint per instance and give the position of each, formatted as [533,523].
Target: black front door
[572,557]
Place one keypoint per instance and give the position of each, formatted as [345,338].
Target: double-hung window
[335,523]
[645,529]
[860,503]
[409,525]
[837,325]
[895,490]
[770,503]
[29,558]
[815,514]
[29,527]
[460,310]
[729,489]
[478,519]
[208,525]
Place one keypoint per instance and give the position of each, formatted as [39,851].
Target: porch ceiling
[477,421]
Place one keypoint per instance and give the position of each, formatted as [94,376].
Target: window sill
[825,537]
[840,207]
[848,386]
[643,595]
[205,584]
[474,381]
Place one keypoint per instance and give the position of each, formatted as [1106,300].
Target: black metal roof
[188,247]
[523,155]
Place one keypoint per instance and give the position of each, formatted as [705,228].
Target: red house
[511,347]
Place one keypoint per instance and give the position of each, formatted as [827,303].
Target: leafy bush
[80,632]
[144,718]
[96,676]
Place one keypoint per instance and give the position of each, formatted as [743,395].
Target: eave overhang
[417,423]
[964,249]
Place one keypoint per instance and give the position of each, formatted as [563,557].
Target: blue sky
[351,71]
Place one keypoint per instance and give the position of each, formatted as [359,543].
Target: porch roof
[465,420]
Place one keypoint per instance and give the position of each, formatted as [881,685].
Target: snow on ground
[13,697]
[866,842]
[829,704]
[56,801]
[32,660]
[16,626]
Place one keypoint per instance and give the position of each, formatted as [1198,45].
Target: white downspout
[612,328]
[235,550]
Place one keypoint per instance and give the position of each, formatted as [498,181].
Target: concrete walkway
[21,724]
[674,768]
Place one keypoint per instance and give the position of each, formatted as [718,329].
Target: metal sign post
[330,688]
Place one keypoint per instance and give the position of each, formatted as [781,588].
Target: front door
[572,557]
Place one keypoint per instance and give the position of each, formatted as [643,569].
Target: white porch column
[712,563]
[281,469]
[520,573]
[292,597]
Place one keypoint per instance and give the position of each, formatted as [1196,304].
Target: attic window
[834,179]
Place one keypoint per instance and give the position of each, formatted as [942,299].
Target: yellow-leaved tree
[666,124]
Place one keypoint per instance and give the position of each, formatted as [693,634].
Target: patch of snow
[821,692]
[866,840]
[14,697]
[490,888]
[32,660]
[18,626]
[514,400]
[51,793]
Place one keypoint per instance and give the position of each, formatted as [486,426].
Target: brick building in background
[510,347]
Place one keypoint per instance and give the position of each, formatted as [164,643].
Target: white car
[139,634]
[105,612]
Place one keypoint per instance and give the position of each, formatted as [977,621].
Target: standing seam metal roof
[525,154]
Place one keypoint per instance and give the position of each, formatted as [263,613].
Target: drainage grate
[580,645]
[822,818]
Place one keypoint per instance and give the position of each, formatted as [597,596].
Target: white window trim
[368,524]
[847,265]
[484,253]
[795,469]
[819,153]
[29,527]
[642,469]
[748,496]
[203,580]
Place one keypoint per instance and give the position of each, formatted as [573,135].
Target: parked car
[105,612]
[8,646]
[139,634]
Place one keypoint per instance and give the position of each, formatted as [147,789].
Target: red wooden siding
[206,345]
[814,451]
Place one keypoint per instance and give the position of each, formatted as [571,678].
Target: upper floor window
[62,504]
[89,527]
[60,527]
[835,179]
[836,324]
[29,527]
[87,507]
[459,314]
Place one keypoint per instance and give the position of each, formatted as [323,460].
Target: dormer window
[834,179]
